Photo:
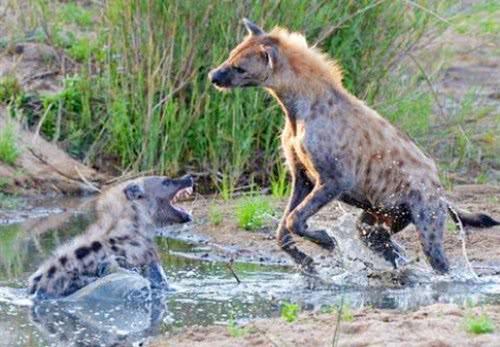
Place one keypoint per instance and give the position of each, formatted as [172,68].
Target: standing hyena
[338,148]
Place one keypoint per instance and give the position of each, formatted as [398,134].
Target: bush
[289,312]
[9,151]
[481,324]
[252,212]
[147,104]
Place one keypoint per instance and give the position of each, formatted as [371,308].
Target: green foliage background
[141,100]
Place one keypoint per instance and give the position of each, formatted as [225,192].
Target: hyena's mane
[306,61]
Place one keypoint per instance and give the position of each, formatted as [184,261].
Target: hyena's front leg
[296,221]
[156,275]
[301,187]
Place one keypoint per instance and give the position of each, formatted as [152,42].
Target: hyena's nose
[218,77]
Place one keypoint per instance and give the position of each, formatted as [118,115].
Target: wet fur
[338,148]
[121,237]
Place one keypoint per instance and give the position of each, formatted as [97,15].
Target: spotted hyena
[121,237]
[338,148]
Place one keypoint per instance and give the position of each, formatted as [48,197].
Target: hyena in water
[121,237]
[336,147]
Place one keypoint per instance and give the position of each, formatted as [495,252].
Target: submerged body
[121,237]
[336,147]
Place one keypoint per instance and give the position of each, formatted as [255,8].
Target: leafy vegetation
[9,89]
[9,151]
[289,312]
[10,202]
[142,100]
[252,212]
[347,314]
[235,330]
[280,186]
[215,216]
[479,324]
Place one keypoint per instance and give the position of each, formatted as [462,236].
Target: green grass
[280,186]
[235,330]
[253,212]
[142,100]
[215,216]
[479,324]
[480,19]
[289,312]
[9,89]
[10,202]
[71,13]
[347,314]
[9,151]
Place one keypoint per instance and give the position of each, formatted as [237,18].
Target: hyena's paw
[307,266]
[395,254]
[322,238]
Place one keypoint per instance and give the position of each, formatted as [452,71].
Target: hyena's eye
[239,69]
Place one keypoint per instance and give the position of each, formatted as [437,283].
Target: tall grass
[9,151]
[142,97]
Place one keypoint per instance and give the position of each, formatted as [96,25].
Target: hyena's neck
[300,104]
[131,218]
[295,105]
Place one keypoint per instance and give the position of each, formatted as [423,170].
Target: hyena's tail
[476,220]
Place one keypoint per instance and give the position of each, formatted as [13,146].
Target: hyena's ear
[134,191]
[252,28]
[270,54]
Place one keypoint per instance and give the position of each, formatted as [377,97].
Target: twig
[39,125]
[92,186]
[44,161]
[332,29]
[127,176]
[429,83]
[41,75]
[425,9]
[335,340]
[230,267]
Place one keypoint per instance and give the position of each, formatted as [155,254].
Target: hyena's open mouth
[182,194]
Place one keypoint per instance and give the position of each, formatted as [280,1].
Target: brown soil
[474,198]
[436,325]
[42,166]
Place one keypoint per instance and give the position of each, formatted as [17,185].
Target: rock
[118,309]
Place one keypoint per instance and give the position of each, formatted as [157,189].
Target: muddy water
[205,291]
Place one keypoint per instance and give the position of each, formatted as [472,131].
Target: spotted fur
[336,147]
[121,237]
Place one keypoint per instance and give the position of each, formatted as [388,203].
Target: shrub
[9,151]
[252,212]
[289,312]
[481,324]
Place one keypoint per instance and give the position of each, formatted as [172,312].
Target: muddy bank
[435,325]
[42,166]
[260,245]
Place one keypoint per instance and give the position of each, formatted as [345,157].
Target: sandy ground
[435,325]
[473,198]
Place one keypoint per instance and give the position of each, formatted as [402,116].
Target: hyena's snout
[220,77]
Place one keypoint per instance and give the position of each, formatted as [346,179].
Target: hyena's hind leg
[377,237]
[429,219]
